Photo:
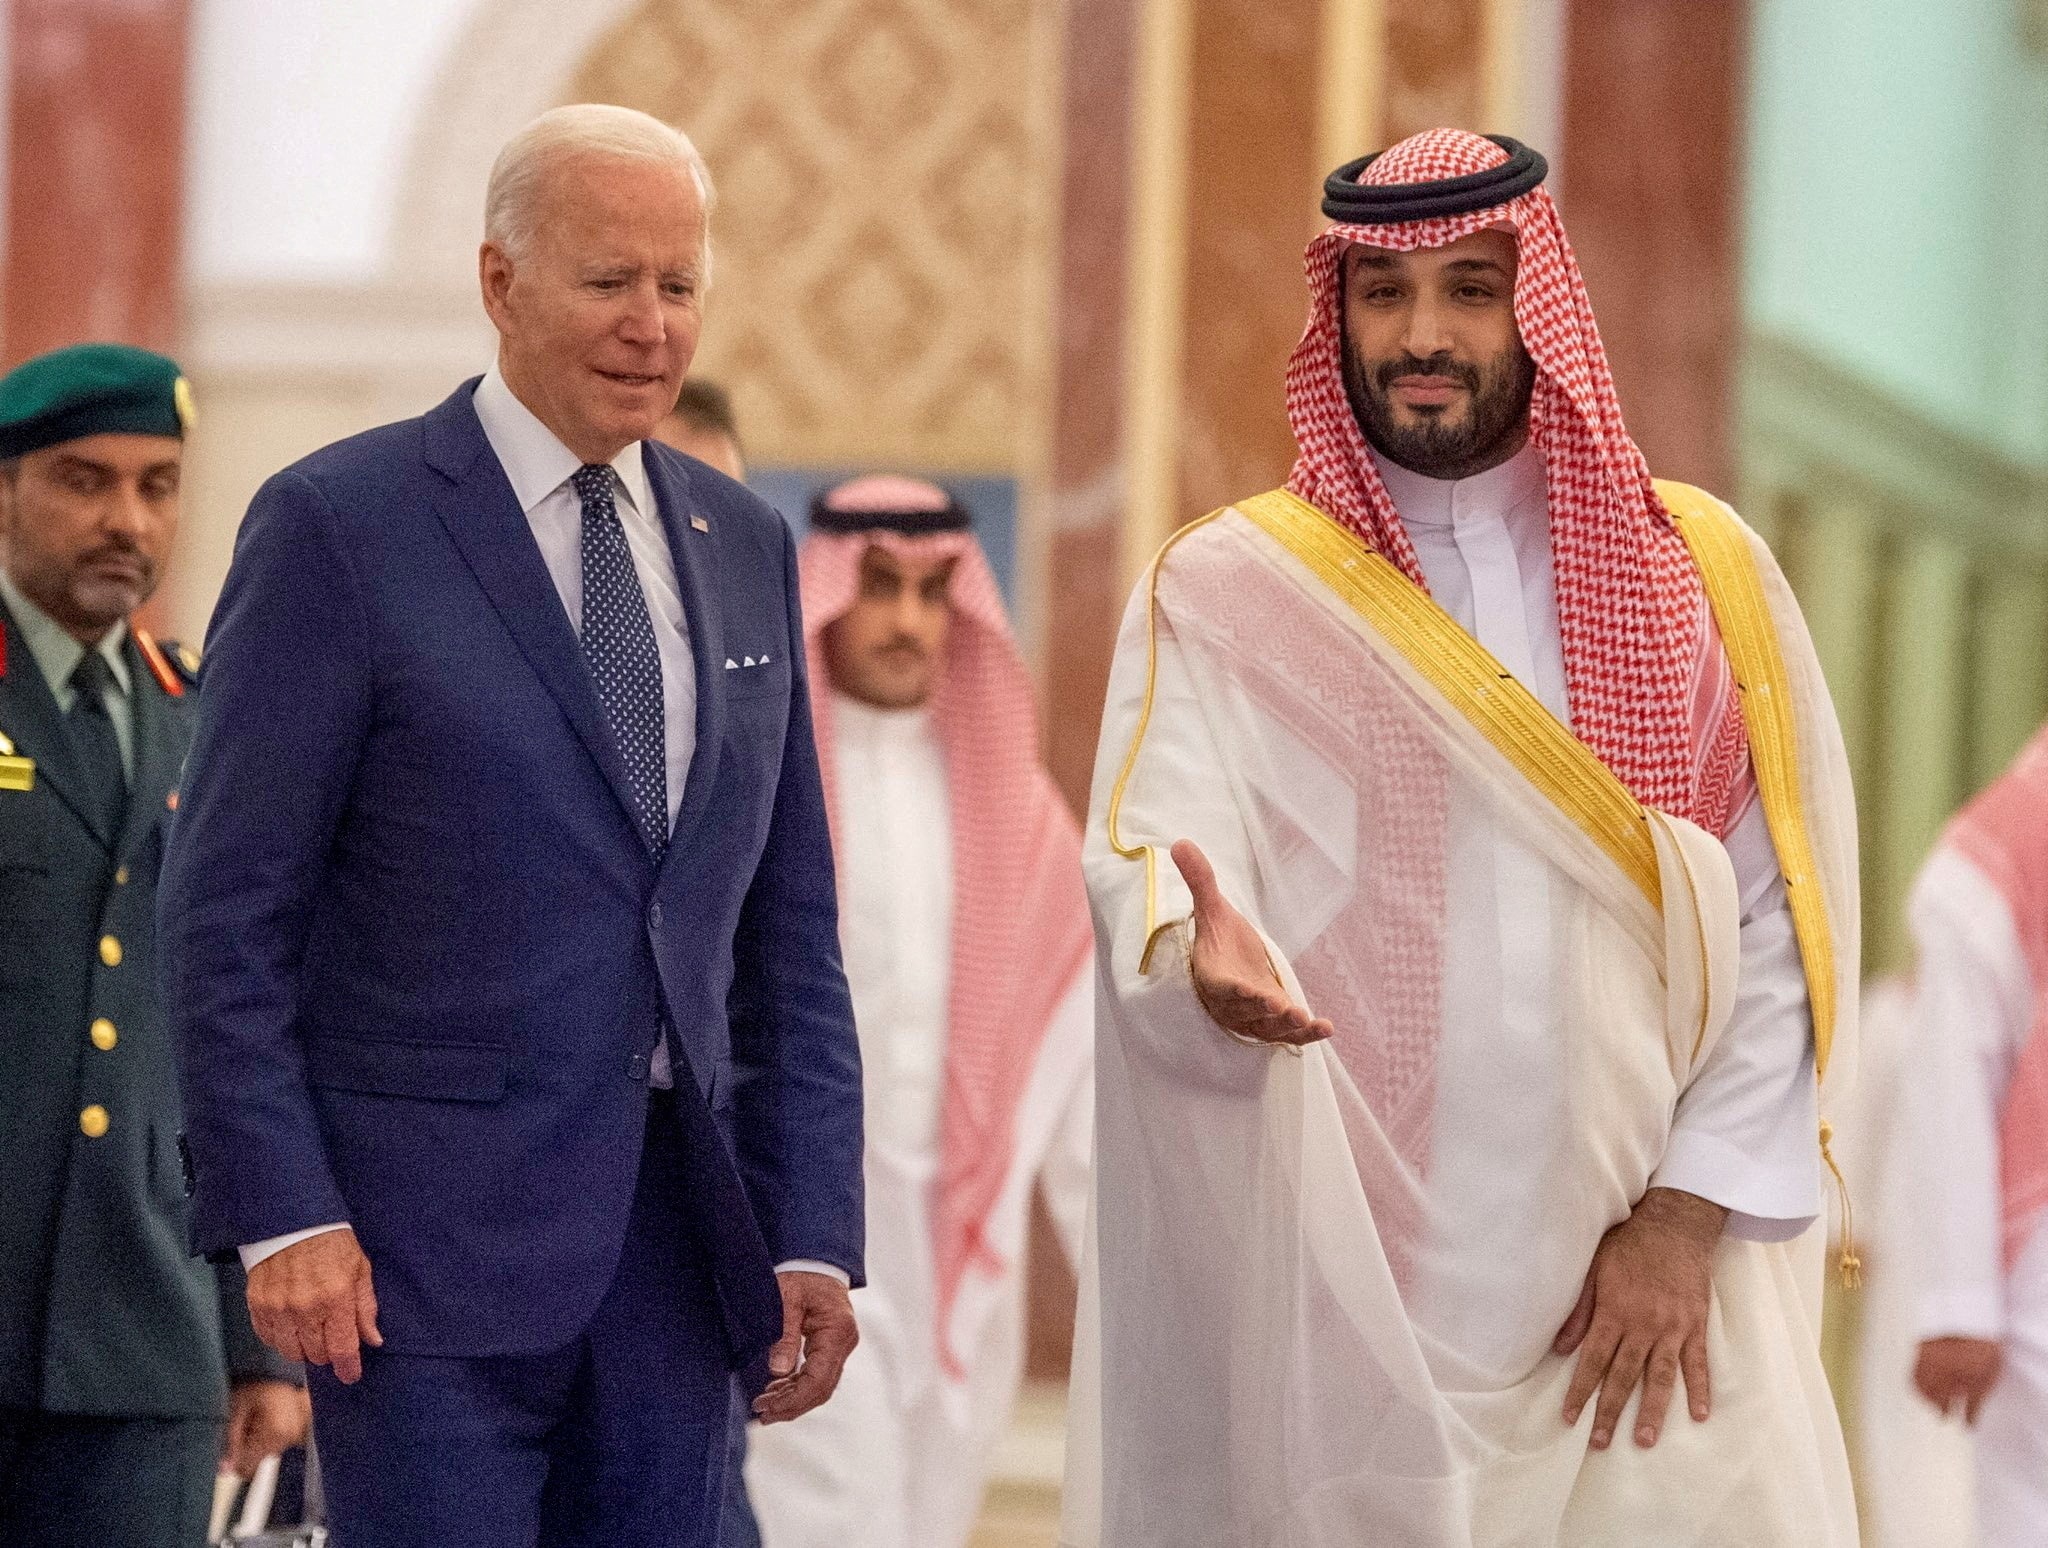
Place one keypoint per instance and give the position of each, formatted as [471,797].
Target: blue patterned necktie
[618,642]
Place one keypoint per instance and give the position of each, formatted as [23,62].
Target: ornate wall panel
[884,238]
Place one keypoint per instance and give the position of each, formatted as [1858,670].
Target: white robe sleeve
[1746,1133]
[1176,789]
[1970,1014]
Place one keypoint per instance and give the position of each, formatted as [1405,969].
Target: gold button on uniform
[121,876]
[110,951]
[103,1034]
[93,1121]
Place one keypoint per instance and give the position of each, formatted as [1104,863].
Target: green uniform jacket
[103,1310]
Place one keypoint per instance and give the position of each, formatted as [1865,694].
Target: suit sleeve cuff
[814,1266]
[270,1247]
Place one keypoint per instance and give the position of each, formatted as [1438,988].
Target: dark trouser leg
[69,1482]
[640,1459]
[451,1452]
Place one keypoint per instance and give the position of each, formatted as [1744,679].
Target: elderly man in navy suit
[498,922]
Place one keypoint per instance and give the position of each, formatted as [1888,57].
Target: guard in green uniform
[128,1369]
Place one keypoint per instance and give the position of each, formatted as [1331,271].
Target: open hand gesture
[1234,978]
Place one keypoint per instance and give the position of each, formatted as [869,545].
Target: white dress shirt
[58,653]
[1745,1131]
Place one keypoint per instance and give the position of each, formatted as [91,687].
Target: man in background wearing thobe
[1977,1130]
[966,942]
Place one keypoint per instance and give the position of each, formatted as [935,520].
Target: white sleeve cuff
[256,1252]
[1961,1311]
[813,1266]
[1764,1203]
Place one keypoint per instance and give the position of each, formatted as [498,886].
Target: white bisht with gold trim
[1322,1287]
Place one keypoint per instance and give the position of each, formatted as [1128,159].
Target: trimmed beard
[1497,412]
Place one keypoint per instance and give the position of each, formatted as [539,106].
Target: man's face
[85,526]
[712,446]
[886,650]
[599,317]
[1433,362]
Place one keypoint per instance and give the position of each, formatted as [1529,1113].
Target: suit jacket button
[92,1123]
[104,1037]
[654,916]
[636,1067]
[121,876]
[110,951]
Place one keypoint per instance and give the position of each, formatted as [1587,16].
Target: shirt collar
[533,456]
[1499,493]
[56,649]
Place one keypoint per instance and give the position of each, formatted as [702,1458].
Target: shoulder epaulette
[174,666]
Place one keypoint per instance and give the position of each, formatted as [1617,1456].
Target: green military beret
[91,389]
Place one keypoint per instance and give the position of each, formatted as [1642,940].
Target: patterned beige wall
[885,233]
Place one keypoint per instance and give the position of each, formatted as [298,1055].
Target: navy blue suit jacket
[414,951]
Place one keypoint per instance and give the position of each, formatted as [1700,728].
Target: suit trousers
[73,1482]
[618,1438]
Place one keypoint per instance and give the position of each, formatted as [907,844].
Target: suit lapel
[484,520]
[695,555]
[159,751]
[30,717]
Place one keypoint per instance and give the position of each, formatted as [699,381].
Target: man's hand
[1234,978]
[313,1302]
[818,1333]
[1643,1315]
[265,1417]
[1954,1373]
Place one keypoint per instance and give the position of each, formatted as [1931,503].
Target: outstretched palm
[1234,978]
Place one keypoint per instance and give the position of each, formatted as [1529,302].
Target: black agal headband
[951,517]
[1347,201]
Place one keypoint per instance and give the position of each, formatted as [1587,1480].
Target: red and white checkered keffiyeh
[1650,689]
[2004,833]
[1021,928]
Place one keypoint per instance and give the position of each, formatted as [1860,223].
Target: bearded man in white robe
[1472,861]
[966,939]
[1976,1136]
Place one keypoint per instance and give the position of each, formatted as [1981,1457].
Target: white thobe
[1973,1011]
[900,1456]
[1745,1132]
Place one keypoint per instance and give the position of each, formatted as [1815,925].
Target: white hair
[512,199]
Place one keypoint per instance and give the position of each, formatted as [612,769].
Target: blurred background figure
[1047,252]
[702,426]
[967,947]
[121,1354]
[1976,1126]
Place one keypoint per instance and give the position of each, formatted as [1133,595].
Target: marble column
[95,173]
[1653,136]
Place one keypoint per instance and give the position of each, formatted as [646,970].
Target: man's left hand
[818,1333]
[1642,1317]
[265,1417]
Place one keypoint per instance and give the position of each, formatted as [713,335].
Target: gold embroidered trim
[1540,746]
[1145,852]
[1735,591]
[1727,566]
